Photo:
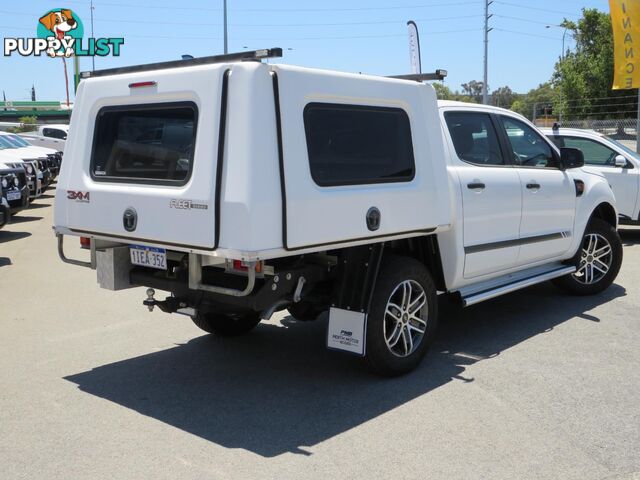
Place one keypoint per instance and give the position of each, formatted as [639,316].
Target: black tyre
[226,325]
[304,311]
[598,260]
[403,317]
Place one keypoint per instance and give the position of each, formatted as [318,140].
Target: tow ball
[150,302]
[168,305]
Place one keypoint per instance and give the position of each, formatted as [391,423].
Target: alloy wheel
[405,318]
[595,259]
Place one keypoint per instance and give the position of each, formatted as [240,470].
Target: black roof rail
[422,77]
[190,62]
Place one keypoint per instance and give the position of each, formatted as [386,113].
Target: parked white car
[32,164]
[244,188]
[605,156]
[53,158]
[50,136]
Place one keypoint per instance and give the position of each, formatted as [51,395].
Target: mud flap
[358,271]
[347,331]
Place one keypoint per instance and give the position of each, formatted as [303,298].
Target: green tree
[542,97]
[473,89]
[583,78]
[442,91]
[503,97]
[28,124]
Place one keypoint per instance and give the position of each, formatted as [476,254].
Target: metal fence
[624,130]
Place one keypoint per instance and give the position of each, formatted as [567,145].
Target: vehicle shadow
[279,390]
[5,261]
[9,236]
[629,236]
[23,218]
[46,195]
[39,205]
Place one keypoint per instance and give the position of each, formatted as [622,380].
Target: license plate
[148,256]
[13,196]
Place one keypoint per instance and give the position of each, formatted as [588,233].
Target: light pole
[225,26]
[562,56]
[564,34]
[485,95]
[93,57]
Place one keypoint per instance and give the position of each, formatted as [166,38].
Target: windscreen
[145,144]
[5,143]
[635,155]
[19,141]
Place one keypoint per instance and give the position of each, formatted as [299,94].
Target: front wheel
[227,325]
[402,318]
[597,263]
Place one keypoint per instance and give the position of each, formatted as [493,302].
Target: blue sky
[368,36]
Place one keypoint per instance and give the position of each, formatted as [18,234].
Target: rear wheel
[598,261]
[227,325]
[403,317]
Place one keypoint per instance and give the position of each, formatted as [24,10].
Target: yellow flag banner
[625,18]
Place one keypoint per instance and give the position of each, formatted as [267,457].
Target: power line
[523,19]
[527,34]
[326,9]
[286,39]
[312,24]
[381,22]
[341,37]
[534,8]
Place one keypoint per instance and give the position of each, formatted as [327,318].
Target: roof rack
[422,77]
[252,55]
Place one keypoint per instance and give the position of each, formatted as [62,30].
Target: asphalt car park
[535,384]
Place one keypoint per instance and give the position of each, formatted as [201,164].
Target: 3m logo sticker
[78,196]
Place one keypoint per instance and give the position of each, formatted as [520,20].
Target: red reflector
[85,242]
[243,267]
[237,265]
[142,84]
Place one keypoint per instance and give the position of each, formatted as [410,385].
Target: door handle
[476,186]
[533,186]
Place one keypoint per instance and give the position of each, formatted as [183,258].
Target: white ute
[49,136]
[244,188]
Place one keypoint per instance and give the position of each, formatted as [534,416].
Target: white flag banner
[414,47]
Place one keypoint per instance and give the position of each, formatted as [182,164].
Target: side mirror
[571,158]
[620,161]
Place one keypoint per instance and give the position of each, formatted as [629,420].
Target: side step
[509,283]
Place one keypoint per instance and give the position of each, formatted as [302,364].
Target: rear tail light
[85,242]
[244,266]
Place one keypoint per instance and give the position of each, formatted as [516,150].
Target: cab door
[548,193]
[491,194]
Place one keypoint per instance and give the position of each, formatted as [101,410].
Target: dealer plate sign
[347,330]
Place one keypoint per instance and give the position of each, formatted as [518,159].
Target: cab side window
[528,147]
[594,153]
[474,138]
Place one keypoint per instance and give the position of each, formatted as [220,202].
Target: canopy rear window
[150,144]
